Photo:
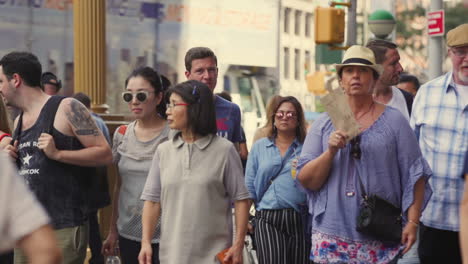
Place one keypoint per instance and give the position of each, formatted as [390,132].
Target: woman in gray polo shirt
[193,179]
[133,149]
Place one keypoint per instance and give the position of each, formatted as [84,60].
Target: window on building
[307,61]
[297,64]
[308,24]
[297,22]
[286,63]
[287,18]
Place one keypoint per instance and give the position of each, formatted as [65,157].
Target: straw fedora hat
[359,56]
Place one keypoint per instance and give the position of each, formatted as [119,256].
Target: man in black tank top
[56,143]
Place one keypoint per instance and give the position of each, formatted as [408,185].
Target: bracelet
[4,135]
[413,222]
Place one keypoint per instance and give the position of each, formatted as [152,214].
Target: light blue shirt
[440,120]
[263,164]
[390,165]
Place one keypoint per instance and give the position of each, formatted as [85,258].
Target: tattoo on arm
[81,119]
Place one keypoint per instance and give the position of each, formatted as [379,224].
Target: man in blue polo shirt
[201,65]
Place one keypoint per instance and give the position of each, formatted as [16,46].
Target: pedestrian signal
[316,83]
[329,25]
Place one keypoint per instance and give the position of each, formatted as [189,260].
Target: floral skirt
[333,249]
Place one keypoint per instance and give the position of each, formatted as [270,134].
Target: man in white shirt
[385,90]
[23,221]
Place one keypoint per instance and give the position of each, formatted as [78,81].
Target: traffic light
[329,25]
[316,83]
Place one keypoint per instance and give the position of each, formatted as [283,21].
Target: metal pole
[435,48]
[365,33]
[156,44]
[351,33]
[278,42]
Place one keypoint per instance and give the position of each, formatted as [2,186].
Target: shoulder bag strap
[270,182]
[276,175]
[363,190]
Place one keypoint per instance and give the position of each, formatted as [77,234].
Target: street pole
[435,48]
[351,34]
[279,48]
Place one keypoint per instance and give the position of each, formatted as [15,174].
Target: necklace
[365,113]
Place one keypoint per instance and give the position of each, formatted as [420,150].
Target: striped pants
[280,237]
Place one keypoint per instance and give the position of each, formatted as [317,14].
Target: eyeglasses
[287,115]
[140,96]
[460,52]
[355,147]
[172,105]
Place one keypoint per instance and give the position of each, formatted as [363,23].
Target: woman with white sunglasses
[133,148]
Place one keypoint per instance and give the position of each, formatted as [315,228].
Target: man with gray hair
[440,121]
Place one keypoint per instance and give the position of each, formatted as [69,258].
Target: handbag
[379,218]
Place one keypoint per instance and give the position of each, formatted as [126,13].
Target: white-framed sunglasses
[140,96]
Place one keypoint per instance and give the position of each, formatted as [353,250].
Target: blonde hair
[271,108]
[266,130]
[4,119]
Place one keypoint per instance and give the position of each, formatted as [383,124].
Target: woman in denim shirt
[269,177]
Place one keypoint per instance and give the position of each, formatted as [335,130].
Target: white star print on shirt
[26,159]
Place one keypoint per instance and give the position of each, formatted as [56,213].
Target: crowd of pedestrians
[183,194]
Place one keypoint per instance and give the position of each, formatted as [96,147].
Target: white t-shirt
[462,91]
[20,212]
[398,101]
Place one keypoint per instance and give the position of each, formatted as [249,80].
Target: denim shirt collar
[271,142]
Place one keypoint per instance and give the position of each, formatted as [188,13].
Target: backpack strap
[16,136]
[17,132]
[409,100]
[53,105]
[122,129]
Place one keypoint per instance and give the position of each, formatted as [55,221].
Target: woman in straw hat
[384,157]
